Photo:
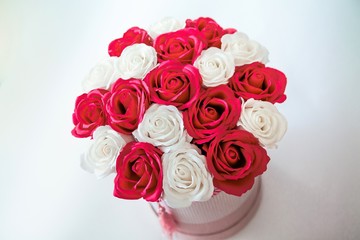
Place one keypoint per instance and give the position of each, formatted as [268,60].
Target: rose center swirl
[93,113]
[107,150]
[183,176]
[138,167]
[176,47]
[234,157]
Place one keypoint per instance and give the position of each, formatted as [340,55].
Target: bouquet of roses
[179,111]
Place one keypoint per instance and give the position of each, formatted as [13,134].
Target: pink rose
[89,113]
[174,83]
[139,172]
[184,45]
[127,104]
[216,110]
[130,37]
[235,158]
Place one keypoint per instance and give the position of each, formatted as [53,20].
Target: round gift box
[220,217]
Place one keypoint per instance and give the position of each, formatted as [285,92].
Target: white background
[312,187]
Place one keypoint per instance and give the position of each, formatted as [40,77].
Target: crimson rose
[139,172]
[127,104]
[235,158]
[130,37]
[184,45]
[210,29]
[216,111]
[259,82]
[89,113]
[174,83]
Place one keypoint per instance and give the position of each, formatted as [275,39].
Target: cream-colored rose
[264,121]
[163,127]
[136,61]
[100,159]
[186,178]
[102,75]
[166,25]
[215,66]
[243,49]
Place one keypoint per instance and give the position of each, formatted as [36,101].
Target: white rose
[163,127]
[243,49]
[102,75]
[100,159]
[186,178]
[215,66]
[264,121]
[166,25]
[136,61]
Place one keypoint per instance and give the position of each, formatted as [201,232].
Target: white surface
[311,188]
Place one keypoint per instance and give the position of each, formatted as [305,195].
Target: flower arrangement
[179,111]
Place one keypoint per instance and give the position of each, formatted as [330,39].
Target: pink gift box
[220,217]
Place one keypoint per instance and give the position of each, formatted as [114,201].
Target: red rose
[174,83]
[259,82]
[184,45]
[210,29]
[216,111]
[235,158]
[89,113]
[127,104]
[139,172]
[130,37]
